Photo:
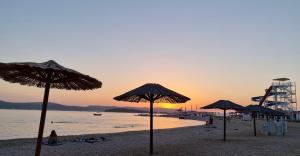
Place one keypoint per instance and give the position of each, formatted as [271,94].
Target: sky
[204,49]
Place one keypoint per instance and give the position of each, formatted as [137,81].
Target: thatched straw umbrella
[154,93]
[255,109]
[46,75]
[224,105]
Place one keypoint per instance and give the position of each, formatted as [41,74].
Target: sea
[24,123]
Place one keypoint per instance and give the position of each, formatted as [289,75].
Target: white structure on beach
[281,95]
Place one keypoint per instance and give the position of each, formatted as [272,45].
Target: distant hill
[51,106]
[60,107]
[126,110]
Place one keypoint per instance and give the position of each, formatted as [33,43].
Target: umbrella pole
[224,137]
[151,127]
[254,116]
[42,120]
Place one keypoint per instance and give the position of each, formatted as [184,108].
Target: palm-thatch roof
[225,105]
[38,74]
[152,92]
[263,110]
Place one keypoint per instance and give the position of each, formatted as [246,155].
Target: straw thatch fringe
[263,110]
[38,74]
[224,104]
[152,92]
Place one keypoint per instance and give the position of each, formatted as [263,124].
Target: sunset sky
[206,50]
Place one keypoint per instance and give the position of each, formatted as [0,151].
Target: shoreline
[67,137]
[192,140]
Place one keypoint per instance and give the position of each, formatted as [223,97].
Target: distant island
[61,107]
[126,110]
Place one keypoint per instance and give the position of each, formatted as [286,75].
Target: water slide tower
[281,95]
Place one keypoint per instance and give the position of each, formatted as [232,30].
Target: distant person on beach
[211,120]
[52,138]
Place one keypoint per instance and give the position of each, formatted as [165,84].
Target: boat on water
[97,114]
[184,116]
[143,114]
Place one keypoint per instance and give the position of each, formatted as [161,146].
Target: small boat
[97,114]
[143,114]
[184,116]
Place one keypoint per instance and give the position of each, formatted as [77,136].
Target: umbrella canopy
[254,109]
[264,110]
[39,74]
[46,75]
[224,105]
[154,93]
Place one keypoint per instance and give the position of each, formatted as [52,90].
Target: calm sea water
[24,123]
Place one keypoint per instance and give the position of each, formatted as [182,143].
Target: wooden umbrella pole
[42,120]
[254,116]
[224,137]
[151,127]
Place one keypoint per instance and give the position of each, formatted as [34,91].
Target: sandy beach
[196,140]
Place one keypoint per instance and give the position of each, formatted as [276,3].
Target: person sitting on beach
[206,120]
[52,138]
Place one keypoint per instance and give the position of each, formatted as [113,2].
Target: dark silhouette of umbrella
[224,105]
[46,75]
[255,109]
[154,93]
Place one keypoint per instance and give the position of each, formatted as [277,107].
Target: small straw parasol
[46,75]
[224,105]
[154,93]
[254,109]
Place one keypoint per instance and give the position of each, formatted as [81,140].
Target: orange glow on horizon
[200,93]
[168,105]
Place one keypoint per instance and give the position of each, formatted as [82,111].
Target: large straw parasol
[154,93]
[224,105]
[254,109]
[46,75]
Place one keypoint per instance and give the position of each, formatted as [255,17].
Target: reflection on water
[126,126]
[24,123]
[62,122]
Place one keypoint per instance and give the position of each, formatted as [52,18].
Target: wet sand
[196,140]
